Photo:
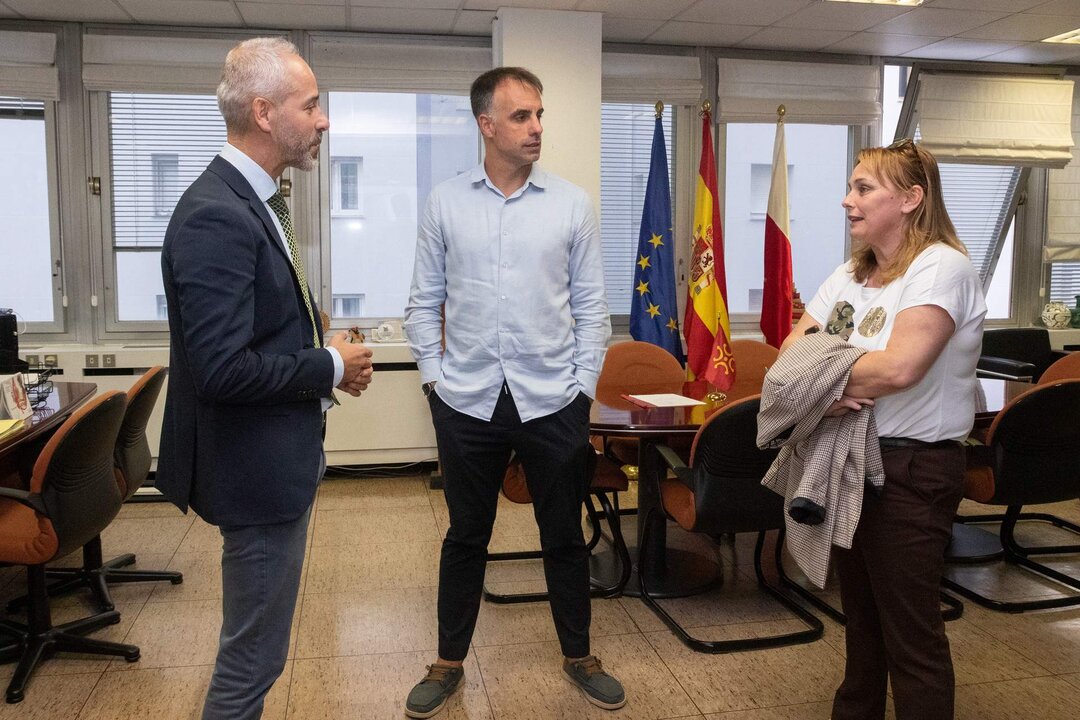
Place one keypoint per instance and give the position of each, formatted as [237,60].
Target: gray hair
[254,68]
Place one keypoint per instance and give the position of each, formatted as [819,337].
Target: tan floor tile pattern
[365,627]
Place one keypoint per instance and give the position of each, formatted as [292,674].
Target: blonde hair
[905,165]
[254,68]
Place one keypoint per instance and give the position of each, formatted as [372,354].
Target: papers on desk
[656,400]
[8,427]
[14,402]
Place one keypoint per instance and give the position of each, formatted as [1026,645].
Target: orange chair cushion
[678,502]
[979,483]
[606,478]
[26,538]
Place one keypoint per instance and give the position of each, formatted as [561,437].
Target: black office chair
[606,478]
[72,497]
[1016,353]
[720,493]
[131,458]
[1031,456]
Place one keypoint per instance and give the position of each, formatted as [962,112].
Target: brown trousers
[889,586]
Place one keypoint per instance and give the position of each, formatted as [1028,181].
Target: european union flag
[654,312]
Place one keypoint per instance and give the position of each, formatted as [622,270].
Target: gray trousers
[260,577]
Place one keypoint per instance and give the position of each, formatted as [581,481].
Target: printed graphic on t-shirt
[873,321]
[840,320]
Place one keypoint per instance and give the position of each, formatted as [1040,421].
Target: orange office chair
[1066,368]
[72,497]
[132,465]
[752,360]
[1030,457]
[633,368]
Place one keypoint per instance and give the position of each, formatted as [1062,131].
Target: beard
[298,149]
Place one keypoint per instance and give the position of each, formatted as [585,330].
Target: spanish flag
[706,326]
[777,292]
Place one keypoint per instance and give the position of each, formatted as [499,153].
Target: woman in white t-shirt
[909,296]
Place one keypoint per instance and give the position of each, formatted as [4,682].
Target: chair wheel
[132,656]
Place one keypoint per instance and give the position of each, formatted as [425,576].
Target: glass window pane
[26,286]
[387,150]
[158,146]
[626,131]
[139,285]
[817,158]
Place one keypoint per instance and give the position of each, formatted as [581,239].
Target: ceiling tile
[314,17]
[881,44]
[709,34]
[409,4]
[651,9]
[960,49]
[1040,53]
[793,38]
[740,12]
[629,29]
[473,22]
[188,12]
[928,21]
[496,4]
[77,10]
[841,16]
[401,20]
[1058,7]
[297,2]
[1023,26]
[986,5]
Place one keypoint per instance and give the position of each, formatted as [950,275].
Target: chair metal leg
[814,627]
[954,609]
[1017,554]
[617,543]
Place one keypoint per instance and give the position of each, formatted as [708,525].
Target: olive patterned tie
[277,204]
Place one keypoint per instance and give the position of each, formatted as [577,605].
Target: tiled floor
[365,627]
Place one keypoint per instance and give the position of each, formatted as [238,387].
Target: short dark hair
[483,87]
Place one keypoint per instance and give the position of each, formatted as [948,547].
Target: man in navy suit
[250,377]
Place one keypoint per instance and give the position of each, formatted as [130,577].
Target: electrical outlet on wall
[91,361]
[108,360]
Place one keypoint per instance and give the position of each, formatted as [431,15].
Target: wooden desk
[64,399]
[672,572]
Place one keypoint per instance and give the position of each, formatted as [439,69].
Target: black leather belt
[894,442]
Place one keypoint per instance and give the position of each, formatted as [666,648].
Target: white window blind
[397,64]
[143,128]
[979,199]
[749,91]
[28,65]
[637,78]
[995,119]
[1063,206]
[158,63]
[1065,281]
[626,132]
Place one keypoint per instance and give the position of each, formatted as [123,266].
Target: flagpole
[781,111]
[659,109]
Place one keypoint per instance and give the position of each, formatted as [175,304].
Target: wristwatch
[427,388]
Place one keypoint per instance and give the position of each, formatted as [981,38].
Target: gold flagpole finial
[781,111]
[706,107]
[659,109]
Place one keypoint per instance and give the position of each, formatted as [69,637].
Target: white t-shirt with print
[942,405]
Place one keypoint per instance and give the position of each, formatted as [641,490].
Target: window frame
[58,284]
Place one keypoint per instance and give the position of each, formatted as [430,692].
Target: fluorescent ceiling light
[908,3]
[1072,37]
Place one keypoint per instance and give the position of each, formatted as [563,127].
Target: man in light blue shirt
[510,256]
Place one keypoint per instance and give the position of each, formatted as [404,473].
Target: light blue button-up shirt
[264,187]
[522,280]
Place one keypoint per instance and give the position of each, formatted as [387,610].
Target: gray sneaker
[430,694]
[597,686]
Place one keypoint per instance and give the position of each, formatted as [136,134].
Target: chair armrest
[673,461]
[1004,368]
[29,499]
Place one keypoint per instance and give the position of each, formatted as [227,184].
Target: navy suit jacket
[241,442]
